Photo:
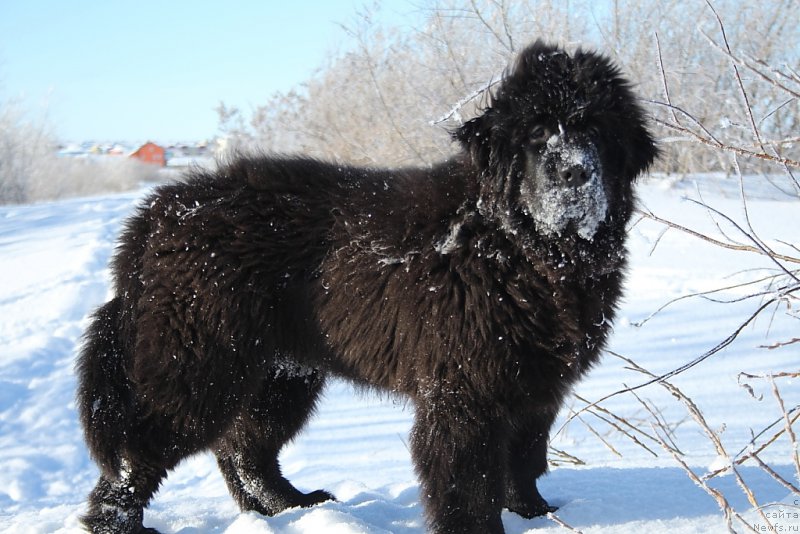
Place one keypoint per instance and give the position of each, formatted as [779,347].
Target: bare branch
[780,344]
[710,140]
[569,459]
[794,415]
[747,106]
[617,421]
[554,518]
[771,472]
[749,66]
[479,13]
[787,426]
[683,368]
[664,83]
[759,246]
[372,70]
[722,502]
[705,294]
[466,100]
[699,235]
[715,143]
[696,414]
[596,434]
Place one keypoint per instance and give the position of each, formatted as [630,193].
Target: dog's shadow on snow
[586,497]
[607,496]
[376,512]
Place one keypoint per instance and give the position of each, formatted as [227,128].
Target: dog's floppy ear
[635,144]
[642,149]
[476,138]
[473,136]
[614,100]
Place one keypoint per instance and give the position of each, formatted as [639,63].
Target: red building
[150,153]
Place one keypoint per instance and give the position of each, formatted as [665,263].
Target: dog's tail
[105,400]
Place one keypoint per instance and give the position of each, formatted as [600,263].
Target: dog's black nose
[574,175]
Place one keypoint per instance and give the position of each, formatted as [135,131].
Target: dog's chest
[478,312]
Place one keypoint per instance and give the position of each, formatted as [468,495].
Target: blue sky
[128,71]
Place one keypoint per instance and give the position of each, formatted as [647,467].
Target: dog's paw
[316,497]
[532,509]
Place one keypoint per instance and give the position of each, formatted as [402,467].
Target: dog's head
[560,143]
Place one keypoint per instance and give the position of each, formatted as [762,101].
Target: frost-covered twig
[660,424]
[793,414]
[728,512]
[554,518]
[732,246]
[787,426]
[621,425]
[479,14]
[771,376]
[372,69]
[778,478]
[464,101]
[690,127]
[751,451]
[710,140]
[715,143]
[749,65]
[604,441]
[759,245]
[683,368]
[696,414]
[742,91]
[664,83]
[563,457]
[780,344]
[705,295]
[700,133]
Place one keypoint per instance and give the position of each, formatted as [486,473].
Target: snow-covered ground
[53,267]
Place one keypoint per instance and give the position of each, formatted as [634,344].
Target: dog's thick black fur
[481,288]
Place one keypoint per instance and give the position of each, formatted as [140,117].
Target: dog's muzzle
[566,192]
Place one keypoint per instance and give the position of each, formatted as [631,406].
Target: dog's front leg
[527,461]
[460,457]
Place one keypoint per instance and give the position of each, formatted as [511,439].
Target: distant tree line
[394,94]
[31,170]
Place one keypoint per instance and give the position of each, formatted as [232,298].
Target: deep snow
[53,267]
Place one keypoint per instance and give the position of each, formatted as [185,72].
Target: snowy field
[53,267]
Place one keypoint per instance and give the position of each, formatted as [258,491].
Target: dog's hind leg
[117,502]
[116,505]
[247,454]
[105,401]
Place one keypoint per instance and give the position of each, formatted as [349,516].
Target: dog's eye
[539,135]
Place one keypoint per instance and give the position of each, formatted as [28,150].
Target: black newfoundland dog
[480,288]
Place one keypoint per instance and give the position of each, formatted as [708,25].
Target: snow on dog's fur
[481,289]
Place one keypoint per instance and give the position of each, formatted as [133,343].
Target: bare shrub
[749,103]
[378,102]
[748,133]
[381,100]
[55,177]
[23,143]
[30,169]
[722,84]
[392,98]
